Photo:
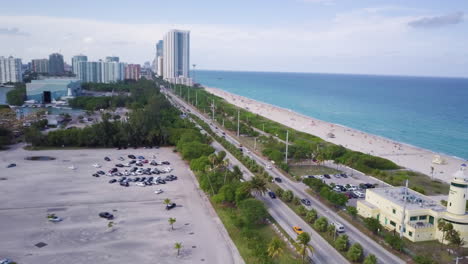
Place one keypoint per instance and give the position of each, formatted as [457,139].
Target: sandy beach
[405,155]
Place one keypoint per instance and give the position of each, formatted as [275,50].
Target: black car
[101,172]
[168,178]
[305,202]
[124,183]
[154,163]
[137,179]
[107,159]
[151,178]
[11,165]
[131,156]
[272,195]
[278,179]
[344,175]
[170,206]
[132,162]
[327,176]
[161,181]
[95,175]
[113,170]
[173,177]
[133,169]
[166,163]
[119,165]
[106,215]
[112,181]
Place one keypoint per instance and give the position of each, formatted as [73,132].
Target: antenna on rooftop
[403,214]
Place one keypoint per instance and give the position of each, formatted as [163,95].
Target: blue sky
[338,36]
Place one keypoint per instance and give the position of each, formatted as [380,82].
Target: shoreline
[404,154]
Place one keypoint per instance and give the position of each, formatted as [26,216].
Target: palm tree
[225,165]
[258,185]
[167,201]
[171,222]
[178,246]
[275,248]
[303,240]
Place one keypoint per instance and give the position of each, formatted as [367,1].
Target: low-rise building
[416,215]
[52,89]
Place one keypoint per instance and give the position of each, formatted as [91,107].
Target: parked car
[298,230]
[124,184]
[131,156]
[327,176]
[158,191]
[6,261]
[119,165]
[141,184]
[106,215]
[141,157]
[101,172]
[305,202]
[112,181]
[107,159]
[170,206]
[320,177]
[95,175]
[344,175]
[272,195]
[359,194]
[278,179]
[11,165]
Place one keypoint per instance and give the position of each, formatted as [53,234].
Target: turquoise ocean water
[426,112]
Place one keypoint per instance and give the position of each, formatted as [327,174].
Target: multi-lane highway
[287,218]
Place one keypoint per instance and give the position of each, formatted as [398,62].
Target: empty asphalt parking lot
[141,232]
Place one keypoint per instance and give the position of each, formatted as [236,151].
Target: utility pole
[196,98]
[212,109]
[286,154]
[255,143]
[238,122]
[403,214]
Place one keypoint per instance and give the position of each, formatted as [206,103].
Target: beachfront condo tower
[176,58]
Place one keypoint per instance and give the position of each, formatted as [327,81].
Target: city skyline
[392,37]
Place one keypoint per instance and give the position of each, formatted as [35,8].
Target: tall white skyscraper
[177,57]
[10,70]
[75,60]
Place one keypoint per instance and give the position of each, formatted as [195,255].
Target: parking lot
[140,231]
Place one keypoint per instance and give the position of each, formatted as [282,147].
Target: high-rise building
[75,60]
[159,48]
[56,64]
[177,57]
[10,70]
[90,71]
[112,71]
[160,62]
[112,59]
[132,71]
[40,65]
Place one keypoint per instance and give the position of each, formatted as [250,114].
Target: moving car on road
[170,206]
[106,215]
[298,230]
[272,195]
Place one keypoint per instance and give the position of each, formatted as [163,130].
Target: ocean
[427,112]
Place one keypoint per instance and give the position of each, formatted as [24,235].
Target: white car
[319,177]
[126,173]
[268,167]
[359,194]
[95,165]
[158,191]
[140,184]
[55,219]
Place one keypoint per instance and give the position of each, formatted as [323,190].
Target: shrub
[355,252]
[341,243]
[288,196]
[321,224]
[302,210]
[311,216]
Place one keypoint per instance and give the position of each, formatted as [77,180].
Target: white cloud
[360,41]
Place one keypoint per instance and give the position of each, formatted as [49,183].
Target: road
[299,189]
[284,216]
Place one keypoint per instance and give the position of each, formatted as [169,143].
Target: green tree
[279,192]
[355,252]
[178,247]
[258,185]
[172,222]
[342,242]
[288,196]
[17,95]
[444,227]
[311,216]
[331,230]
[423,260]
[302,210]
[373,224]
[370,259]
[303,240]
[167,201]
[296,200]
[252,211]
[321,224]
[352,211]
[275,248]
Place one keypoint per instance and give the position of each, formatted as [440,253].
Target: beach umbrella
[463,165]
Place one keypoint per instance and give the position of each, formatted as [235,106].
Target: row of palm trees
[275,248]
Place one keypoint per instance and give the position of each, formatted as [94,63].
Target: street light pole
[212,111]
[286,154]
[238,121]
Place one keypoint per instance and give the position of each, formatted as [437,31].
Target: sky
[391,37]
